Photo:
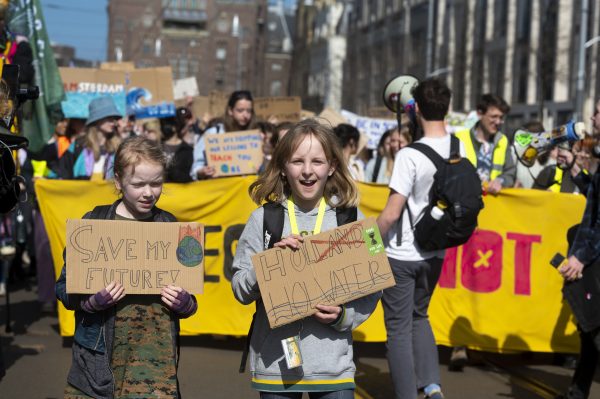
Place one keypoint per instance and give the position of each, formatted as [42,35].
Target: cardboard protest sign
[143,256]
[283,109]
[150,93]
[237,153]
[118,66]
[186,87]
[217,102]
[199,105]
[380,113]
[329,268]
[332,117]
[82,85]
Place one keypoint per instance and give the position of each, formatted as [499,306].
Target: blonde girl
[308,179]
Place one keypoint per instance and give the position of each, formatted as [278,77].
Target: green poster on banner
[39,117]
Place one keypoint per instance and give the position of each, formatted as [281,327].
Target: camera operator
[582,280]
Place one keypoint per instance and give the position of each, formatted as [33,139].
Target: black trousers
[586,367]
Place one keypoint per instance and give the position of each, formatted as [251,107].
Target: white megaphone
[530,145]
[397,96]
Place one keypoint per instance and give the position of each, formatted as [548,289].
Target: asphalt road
[37,360]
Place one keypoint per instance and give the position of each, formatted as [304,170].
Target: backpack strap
[376,168]
[100,212]
[346,215]
[430,153]
[273,219]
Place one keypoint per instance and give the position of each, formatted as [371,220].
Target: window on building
[522,44]
[275,90]
[183,68]
[479,47]
[275,67]
[147,46]
[221,53]
[547,50]
[461,13]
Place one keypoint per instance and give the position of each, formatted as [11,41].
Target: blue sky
[82,24]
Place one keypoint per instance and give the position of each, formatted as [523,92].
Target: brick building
[222,43]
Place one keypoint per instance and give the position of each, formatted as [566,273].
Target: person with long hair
[308,182]
[379,169]
[91,156]
[239,115]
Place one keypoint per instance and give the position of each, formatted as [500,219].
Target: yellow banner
[496,293]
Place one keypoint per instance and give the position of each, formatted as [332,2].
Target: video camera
[11,98]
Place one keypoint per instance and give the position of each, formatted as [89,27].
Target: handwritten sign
[237,153]
[144,257]
[217,103]
[284,109]
[330,268]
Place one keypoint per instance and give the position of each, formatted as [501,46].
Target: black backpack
[273,219]
[456,185]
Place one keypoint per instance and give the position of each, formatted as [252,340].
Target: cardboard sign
[199,105]
[118,66]
[187,87]
[217,102]
[331,117]
[82,85]
[145,93]
[330,268]
[143,256]
[283,109]
[380,113]
[150,93]
[237,153]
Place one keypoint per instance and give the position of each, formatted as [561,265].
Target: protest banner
[490,291]
[150,93]
[236,153]
[186,87]
[144,257]
[330,268]
[374,128]
[82,85]
[282,109]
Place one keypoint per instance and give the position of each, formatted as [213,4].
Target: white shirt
[412,177]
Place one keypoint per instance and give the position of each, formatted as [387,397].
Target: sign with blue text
[236,153]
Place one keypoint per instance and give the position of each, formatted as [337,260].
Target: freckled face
[141,189]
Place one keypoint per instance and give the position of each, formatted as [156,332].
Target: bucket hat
[102,107]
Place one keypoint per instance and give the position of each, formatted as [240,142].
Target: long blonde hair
[91,141]
[273,186]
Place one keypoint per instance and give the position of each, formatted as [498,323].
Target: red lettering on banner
[481,263]
[523,243]
[448,276]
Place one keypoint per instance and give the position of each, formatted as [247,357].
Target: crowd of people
[309,170]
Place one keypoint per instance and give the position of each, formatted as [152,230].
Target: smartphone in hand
[557,260]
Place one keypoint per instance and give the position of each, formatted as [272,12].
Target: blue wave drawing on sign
[137,95]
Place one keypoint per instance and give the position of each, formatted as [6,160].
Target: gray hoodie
[326,349]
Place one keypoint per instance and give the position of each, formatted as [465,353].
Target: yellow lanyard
[292,214]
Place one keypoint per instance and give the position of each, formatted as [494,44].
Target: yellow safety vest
[498,157]
[558,176]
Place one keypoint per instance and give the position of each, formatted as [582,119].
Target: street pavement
[37,360]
